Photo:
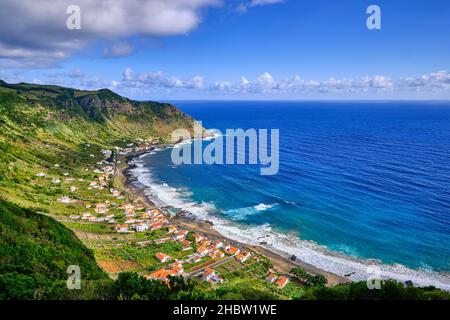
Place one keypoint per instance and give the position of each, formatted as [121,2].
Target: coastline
[281,263]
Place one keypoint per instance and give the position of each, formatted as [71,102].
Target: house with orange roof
[282,281]
[156,226]
[211,276]
[242,257]
[208,273]
[218,244]
[186,244]
[156,275]
[178,270]
[220,254]
[162,257]
[121,228]
[197,237]
[233,251]
[172,229]
[202,251]
[216,254]
[130,214]
[206,242]
[153,211]
[180,234]
[161,274]
[145,215]
[177,263]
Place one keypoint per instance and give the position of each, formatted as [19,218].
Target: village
[128,234]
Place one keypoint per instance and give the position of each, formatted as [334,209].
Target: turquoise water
[360,184]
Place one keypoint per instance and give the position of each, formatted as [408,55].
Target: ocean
[360,185]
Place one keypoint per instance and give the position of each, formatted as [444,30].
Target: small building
[101,208]
[206,242]
[178,270]
[212,276]
[197,238]
[85,215]
[218,244]
[186,244]
[121,228]
[282,281]
[161,274]
[65,199]
[242,257]
[172,229]
[179,235]
[272,278]
[202,251]
[208,273]
[140,227]
[156,226]
[162,257]
[233,251]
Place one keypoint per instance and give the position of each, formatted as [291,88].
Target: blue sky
[243,49]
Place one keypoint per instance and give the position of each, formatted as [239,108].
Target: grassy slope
[44,125]
[35,252]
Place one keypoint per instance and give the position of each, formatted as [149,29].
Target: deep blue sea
[360,184]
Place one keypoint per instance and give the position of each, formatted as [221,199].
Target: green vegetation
[390,290]
[55,130]
[35,252]
[309,279]
[130,286]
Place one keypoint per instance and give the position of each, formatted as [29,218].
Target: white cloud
[128,74]
[158,79]
[244,6]
[264,85]
[34,33]
[77,73]
[434,81]
[267,84]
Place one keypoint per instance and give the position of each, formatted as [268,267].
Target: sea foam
[283,244]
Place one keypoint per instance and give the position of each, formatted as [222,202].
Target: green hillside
[46,125]
[35,252]
[60,131]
